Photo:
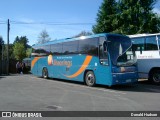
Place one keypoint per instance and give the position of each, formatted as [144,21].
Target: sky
[60,18]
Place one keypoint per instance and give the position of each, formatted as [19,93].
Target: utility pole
[8,28]
[2,61]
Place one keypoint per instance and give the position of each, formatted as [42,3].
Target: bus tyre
[155,77]
[45,73]
[90,79]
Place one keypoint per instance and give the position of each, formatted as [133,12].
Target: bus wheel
[90,79]
[155,77]
[45,73]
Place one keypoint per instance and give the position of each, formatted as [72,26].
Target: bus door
[104,70]
[158,42]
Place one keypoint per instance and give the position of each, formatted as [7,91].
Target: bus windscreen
[119,50]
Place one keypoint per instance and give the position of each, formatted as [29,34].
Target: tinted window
[138,43]
[103,48]
[34,51]
[151,43]
[47,49]
[39,51]
[56,49]
[70,47]
[117,46]
[42,51]
[158,37]
[88,46]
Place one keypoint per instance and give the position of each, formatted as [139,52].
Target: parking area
[30,93]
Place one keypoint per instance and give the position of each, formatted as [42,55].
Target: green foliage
[43,37]
[1,42]
[105,17]
[137,17]
[127,17]
[19,51]
[11,55]
[23,40]
[28,52]
[1,46]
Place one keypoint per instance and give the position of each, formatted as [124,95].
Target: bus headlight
[122,69]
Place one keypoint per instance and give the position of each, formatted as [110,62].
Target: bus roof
[142,35]
[74,39]
[27,59]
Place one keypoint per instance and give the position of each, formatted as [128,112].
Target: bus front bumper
[124,78]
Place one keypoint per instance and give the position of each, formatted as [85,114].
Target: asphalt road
[30,93]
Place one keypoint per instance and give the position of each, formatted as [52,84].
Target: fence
[12,67]
[3,67]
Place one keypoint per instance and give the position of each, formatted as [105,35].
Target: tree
[106,14]
[1,44]
[83,33]
[17,39]
[129,17]
[20,48]
[19,51]
[28,52]
[23,40]
[11,55]
[137,16]
[43,37]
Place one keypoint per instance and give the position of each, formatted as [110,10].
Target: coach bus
[104,59]
[147,47]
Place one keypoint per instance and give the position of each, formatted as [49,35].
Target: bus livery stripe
[83,67]
[34,61]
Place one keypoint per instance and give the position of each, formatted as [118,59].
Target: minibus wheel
[45,73]
[90,79]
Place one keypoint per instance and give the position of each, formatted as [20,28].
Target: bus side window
[103,54]
[88,46]
[138,44]
[56,49]
[70,47]
[151,43]
[34,52]
[46,49]
[105,46]
[158,41]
